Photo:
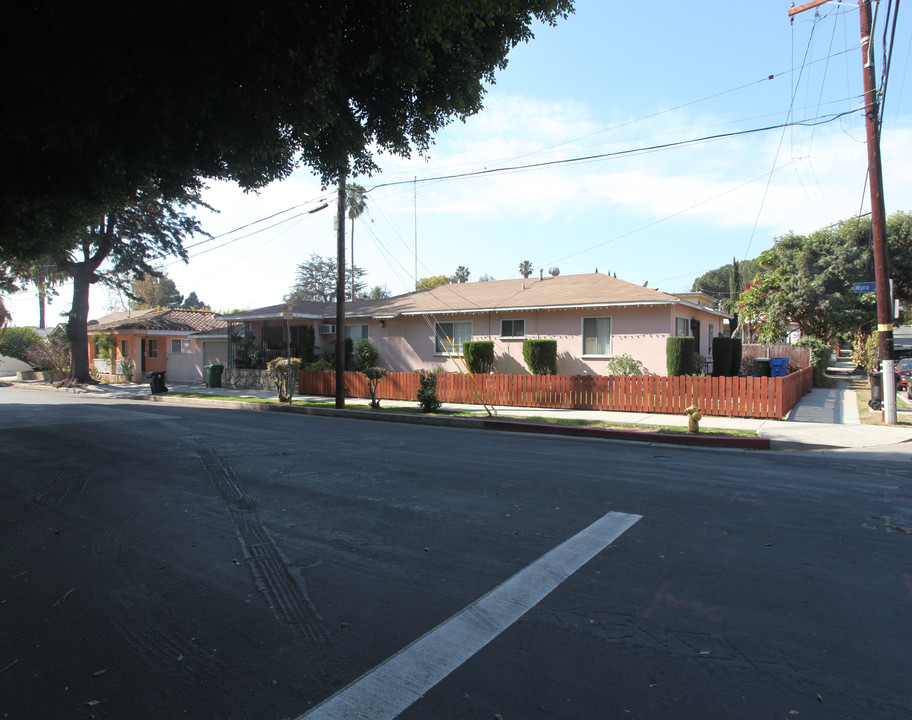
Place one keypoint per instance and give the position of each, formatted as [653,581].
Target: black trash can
[214,375]
[762,366]
[157,382]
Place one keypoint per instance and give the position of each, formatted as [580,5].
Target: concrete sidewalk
[824,418]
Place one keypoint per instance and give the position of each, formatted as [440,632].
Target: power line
[618,153]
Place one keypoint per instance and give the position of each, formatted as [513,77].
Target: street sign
[288,313]
[863,287]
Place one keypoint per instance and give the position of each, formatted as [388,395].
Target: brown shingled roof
[568,291]
[177,320]
[590,290]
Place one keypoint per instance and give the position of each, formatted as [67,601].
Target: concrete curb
[708,441]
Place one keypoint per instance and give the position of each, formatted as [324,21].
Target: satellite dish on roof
[554,272]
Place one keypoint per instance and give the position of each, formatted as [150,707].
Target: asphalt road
[169,562]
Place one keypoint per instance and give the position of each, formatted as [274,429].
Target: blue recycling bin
[779,366]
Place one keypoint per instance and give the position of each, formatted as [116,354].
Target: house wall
[407,343]
[179,367]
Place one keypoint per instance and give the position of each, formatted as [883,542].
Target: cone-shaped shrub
[541,356]
[479,356]
[721,350]
[680,357]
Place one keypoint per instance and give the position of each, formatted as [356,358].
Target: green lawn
[671,430]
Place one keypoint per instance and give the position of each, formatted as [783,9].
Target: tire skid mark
[68,484]
[131,611]
[287,596]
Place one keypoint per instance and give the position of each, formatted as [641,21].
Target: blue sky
[610,79]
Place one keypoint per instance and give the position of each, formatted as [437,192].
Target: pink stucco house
[593,318]
[180,342]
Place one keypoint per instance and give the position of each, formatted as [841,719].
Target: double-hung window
[356,332]
[597,336]
[152,345]
[512,328]
[457,332]
[682,327]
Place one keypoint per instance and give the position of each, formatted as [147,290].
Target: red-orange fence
[755,397]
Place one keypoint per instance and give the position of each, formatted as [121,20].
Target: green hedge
[541,356]
[680,356]
[820,357]
[479,356]
[722,355]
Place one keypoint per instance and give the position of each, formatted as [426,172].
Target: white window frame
[362,329]
[583,352]
[457,338]
[512,321]
[712,334]
[179,345]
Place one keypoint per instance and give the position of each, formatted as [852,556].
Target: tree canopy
[109,102]
[316,281]
[719,283]
[428,283]
[151,292]
[809,280]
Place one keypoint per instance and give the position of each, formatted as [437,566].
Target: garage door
[215,353]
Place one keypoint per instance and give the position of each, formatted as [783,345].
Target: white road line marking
[391,687]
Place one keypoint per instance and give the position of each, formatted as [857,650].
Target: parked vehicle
[904,371]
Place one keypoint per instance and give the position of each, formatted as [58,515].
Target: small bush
[51,355]
[366,354]
[427,391]
[722,356]
[820,357]
[284,373]
[625,365]
[16,342]
[323,365]
[374,375]
[479,356]
[680,356]
[541,356]
[737,350]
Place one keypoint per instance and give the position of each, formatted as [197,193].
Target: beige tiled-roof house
[179,342]
[593,318]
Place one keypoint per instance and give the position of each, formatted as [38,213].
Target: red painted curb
[757,443]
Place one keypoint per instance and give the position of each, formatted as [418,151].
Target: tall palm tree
[462,274]
[356,203]
[525,268]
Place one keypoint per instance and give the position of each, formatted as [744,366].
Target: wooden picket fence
[754,397]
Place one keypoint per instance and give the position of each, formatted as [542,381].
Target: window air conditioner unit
[327,329]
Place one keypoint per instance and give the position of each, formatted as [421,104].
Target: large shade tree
[130,239]
[808,280]
[108,102]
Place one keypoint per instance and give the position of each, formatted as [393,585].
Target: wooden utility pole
[878,211]
[878,217]
[340,295]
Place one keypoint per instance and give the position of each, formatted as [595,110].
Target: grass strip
[574,422]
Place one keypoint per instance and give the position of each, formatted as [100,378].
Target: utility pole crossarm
[807,6]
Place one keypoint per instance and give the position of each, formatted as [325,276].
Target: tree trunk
[78,322]
[42,292]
